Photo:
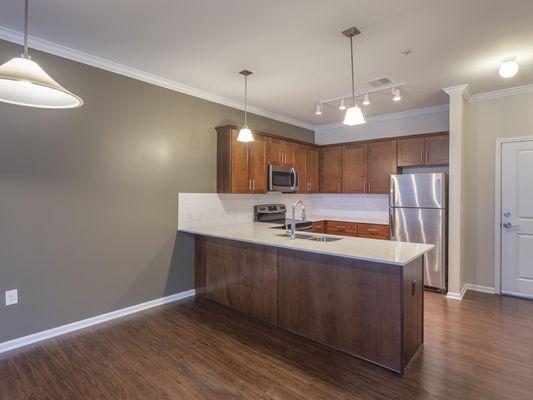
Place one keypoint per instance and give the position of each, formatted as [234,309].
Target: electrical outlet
[12,297]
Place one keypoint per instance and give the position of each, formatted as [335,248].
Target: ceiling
[295,48]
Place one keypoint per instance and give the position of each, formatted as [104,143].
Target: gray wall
[88,197]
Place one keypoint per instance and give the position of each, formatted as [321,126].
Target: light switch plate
[12,297]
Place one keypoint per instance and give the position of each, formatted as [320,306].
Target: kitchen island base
[368,309]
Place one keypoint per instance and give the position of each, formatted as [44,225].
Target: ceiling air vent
[379,82]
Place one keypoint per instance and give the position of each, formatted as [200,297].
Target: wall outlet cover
[12,297]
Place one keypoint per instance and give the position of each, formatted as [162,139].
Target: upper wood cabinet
[427,150]
[241,167]
[306,161]
[381,164]
[354,167]
[330,169]
[281,152]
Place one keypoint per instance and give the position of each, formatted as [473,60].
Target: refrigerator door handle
[391,222]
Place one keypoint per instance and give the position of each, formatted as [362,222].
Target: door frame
[498,208]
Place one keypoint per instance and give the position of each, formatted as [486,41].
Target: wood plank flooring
[480,348]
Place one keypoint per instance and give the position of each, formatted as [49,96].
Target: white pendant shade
[245,135]
[24,82]
[354,116]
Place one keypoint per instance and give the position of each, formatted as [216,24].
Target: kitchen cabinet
[330,169]
[354,166]
[381,164]
[241,167]
[373,231]
[319,227]
[341,228]
[281,152]
[306,161]
[426,150]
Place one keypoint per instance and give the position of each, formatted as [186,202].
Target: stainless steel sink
[297,236]
[324,239]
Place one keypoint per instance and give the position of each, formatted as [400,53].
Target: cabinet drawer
[341,228]
[319,227]
[373,231]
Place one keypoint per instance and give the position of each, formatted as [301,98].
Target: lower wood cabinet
[368,309]
[238,275]
[341,228]
[370,231]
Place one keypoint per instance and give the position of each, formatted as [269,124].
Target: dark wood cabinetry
[357,167]
[354,168]
[427,150]
[241,167]
[330,169]
[381,164]
[306,161]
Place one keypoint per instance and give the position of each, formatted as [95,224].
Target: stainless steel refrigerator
[418,213]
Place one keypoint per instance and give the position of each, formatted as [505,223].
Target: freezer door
[418,190]
[419,225]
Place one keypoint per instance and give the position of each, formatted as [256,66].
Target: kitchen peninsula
[361,296]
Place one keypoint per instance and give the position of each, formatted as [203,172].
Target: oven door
[282,179]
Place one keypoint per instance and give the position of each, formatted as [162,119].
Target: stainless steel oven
[282,179]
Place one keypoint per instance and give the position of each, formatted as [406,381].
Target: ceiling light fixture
[318,110]
[245,134]
[366,100]
[354,115]
[509,67]
[342,106]
[396,95]
[23,82]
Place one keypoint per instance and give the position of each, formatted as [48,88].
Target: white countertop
[384,251]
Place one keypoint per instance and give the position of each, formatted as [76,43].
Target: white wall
[488,120]
[427,120]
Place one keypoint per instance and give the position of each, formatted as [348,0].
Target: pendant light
[245,134]
[23,82]
[354,115]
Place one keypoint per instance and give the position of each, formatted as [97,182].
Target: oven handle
[293,179]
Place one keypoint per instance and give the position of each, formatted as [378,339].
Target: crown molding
[479,97]
[13,36]
[397,115]
[463,89]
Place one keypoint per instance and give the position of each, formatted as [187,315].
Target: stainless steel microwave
[282,179]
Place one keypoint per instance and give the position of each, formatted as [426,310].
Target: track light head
[396,95]
[318,110]
[342,106]
[366,100]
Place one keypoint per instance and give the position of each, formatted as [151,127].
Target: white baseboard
[74,326]
[470,286]
[457,295]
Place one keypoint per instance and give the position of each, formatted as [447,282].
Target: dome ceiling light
[509,67]
[23,82]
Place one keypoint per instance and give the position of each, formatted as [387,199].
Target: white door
[517,218]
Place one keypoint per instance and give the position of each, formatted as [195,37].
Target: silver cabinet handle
[250,185]
[253,185]
[364,187]
[427,157]
[373,230]
[421,157]
[338,187]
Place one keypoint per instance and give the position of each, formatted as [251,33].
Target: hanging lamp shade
[245,135]
[354,116]
[24,82]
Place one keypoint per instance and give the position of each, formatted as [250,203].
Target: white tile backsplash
[206,209]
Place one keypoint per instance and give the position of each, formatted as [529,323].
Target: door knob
[509,225]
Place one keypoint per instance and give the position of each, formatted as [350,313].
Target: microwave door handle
[293,179]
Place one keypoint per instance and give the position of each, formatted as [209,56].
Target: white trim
[396,115]
[74,326]
[455,295]
[476,98]
[462,89]
[13,36]
[520,295]
[480,288]
[498,207]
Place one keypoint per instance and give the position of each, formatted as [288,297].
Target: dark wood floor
[480,348]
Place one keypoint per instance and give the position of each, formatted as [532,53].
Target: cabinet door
[240,181]
[354,169]
[274,152]
[438,149]
[381,164]
[312,170]
[411,152]
[301,166]
[330,170]
[257,164]
[288,153]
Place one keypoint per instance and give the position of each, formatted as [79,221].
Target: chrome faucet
[293,224]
